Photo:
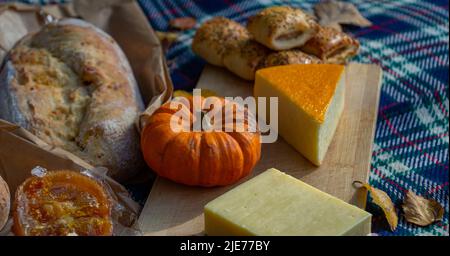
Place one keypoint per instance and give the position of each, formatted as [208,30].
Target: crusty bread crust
[214,36]
[71,85]
[243,58]
[5,202]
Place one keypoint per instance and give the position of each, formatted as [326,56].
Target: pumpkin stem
[206,125]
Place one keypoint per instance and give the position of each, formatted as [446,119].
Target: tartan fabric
[409,40]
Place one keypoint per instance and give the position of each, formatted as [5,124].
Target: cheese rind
[310,103]
[274,203]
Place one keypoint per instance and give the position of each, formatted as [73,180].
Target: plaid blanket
[409,40]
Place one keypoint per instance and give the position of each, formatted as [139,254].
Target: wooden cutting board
[174,209]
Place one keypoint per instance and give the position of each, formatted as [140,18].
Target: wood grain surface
[174,209]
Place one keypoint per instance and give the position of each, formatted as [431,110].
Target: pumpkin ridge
[153,126]
[203,173]
[193,146]
[226,141]
[157,119]
[235,119]
[246,160]
[164,154]
[243,166]
[199,180]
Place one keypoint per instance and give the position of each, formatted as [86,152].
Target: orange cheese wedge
[310,103]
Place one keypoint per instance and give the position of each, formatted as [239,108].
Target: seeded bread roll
[332,46]
[5,201]
[288,57]
[244,57]
[214,36]
[72,86]
[282,27]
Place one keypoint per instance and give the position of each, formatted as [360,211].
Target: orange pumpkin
[202,158]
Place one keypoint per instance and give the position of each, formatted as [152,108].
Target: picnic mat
[409,40]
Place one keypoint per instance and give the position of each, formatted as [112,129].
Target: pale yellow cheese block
[274,203]
[310,103]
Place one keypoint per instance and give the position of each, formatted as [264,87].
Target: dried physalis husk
[166,39]
[181,93]
[421,211]
[333,13]
[183,23]
[382,199]
[204,92]
[208,93]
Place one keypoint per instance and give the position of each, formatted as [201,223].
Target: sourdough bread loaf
[72,86]
[5,202]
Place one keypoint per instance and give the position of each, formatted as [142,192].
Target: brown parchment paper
[20,151]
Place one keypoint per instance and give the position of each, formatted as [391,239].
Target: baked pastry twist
[332,46]
[244,57]
[282,27]
[288,57]
[214,36]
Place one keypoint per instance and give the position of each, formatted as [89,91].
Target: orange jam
[62,203]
